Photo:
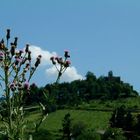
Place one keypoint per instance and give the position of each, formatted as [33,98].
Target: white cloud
[69,75]
[45,60]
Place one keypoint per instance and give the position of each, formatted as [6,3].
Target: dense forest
[105,88]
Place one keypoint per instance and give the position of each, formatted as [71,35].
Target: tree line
[73,93]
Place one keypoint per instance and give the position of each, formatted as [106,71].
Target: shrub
[66,124]
[114,134]
[78,128]
[89,135]
[81,132]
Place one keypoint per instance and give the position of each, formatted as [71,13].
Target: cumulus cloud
[45,54]
[69,75]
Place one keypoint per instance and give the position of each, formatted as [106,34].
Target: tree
[118,117]
[66,124]
[114,134]
[90,76]
[129,122]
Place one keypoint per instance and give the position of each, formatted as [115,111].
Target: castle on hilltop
[117,79]
[112,78]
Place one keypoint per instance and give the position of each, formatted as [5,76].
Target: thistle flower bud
[8,34]
[66,54]
[29,55]
[25,70]
[20,52]
[27,66]
[39,56]
[38,60]
[15,42]
[26,85]
[67,63]
[33,85]
[53,61]
[12,87]
[2,46]
[52,58]
[27,48]
[18,60]
[62,64]
[12,49]
[59,60]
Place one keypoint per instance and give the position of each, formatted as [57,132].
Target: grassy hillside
[132,103]
[95,115]
[96,120]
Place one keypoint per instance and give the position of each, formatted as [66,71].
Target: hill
[105,88]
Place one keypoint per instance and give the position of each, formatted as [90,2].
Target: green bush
[89,135]
[81,132]
[78,128]
[42,134]
[114,134]
[66,124]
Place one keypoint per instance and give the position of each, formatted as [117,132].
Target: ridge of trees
[104,87]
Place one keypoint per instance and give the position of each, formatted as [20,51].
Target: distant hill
[104,88]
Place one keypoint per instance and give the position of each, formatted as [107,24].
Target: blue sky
[101,35]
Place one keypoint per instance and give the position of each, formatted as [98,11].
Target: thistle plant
[16,71]
[61,64]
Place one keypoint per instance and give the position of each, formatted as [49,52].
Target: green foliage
[78,128]
[118,117]
[43,134]
[66,124]
[78,91]
[89,135]
[122,118]
[92,120]
[137,127]
[17,70]
[79,94]
[114,134]
[128,121]
[80,131]
[3,137]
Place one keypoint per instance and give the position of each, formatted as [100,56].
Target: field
[96,120]
[130,103]
[95,115]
